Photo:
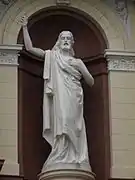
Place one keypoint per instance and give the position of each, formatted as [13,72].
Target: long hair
[57,44]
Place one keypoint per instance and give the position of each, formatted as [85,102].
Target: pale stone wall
[121,67]
[9,109]
[123,123]
[130,41]
[122,106]
[8,117]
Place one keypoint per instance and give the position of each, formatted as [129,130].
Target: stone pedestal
[67,174]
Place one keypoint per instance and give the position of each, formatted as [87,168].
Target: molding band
[120,60]
[9,54]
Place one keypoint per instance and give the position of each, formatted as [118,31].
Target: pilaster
[9,108]
[121,77]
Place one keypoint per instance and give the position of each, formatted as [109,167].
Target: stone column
[9,108]
[121,67]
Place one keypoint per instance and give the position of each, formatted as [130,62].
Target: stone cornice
[9,54]
[120,60]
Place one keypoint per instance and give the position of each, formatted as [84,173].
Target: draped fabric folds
[63,122]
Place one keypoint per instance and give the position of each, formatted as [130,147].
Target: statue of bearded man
[63,122]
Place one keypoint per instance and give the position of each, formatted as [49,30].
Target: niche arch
[44,27]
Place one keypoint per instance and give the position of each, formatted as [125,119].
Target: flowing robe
[63,122]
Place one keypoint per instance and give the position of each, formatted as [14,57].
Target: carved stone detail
[6,2]
[120,61]
[4,5]
[122,9]
[6,58]
[122,64]
[9,55]
[63,2]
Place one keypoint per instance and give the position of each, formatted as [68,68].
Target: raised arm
[28,43]
[86,75]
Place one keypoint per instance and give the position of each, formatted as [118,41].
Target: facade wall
[122,83]
[8,118]
[122,105]
[130,40]
[9,109]
[122,123]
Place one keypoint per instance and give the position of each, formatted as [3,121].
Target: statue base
[67,174]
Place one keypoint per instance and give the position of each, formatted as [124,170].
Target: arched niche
[44,27]
[44,30]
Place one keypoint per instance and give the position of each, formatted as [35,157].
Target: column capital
[120,60]
[9,54]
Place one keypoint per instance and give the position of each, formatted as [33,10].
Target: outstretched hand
[24,21]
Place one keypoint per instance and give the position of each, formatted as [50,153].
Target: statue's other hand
[24,21]
[74,63]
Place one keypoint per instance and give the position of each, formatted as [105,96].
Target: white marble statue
[63,122]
